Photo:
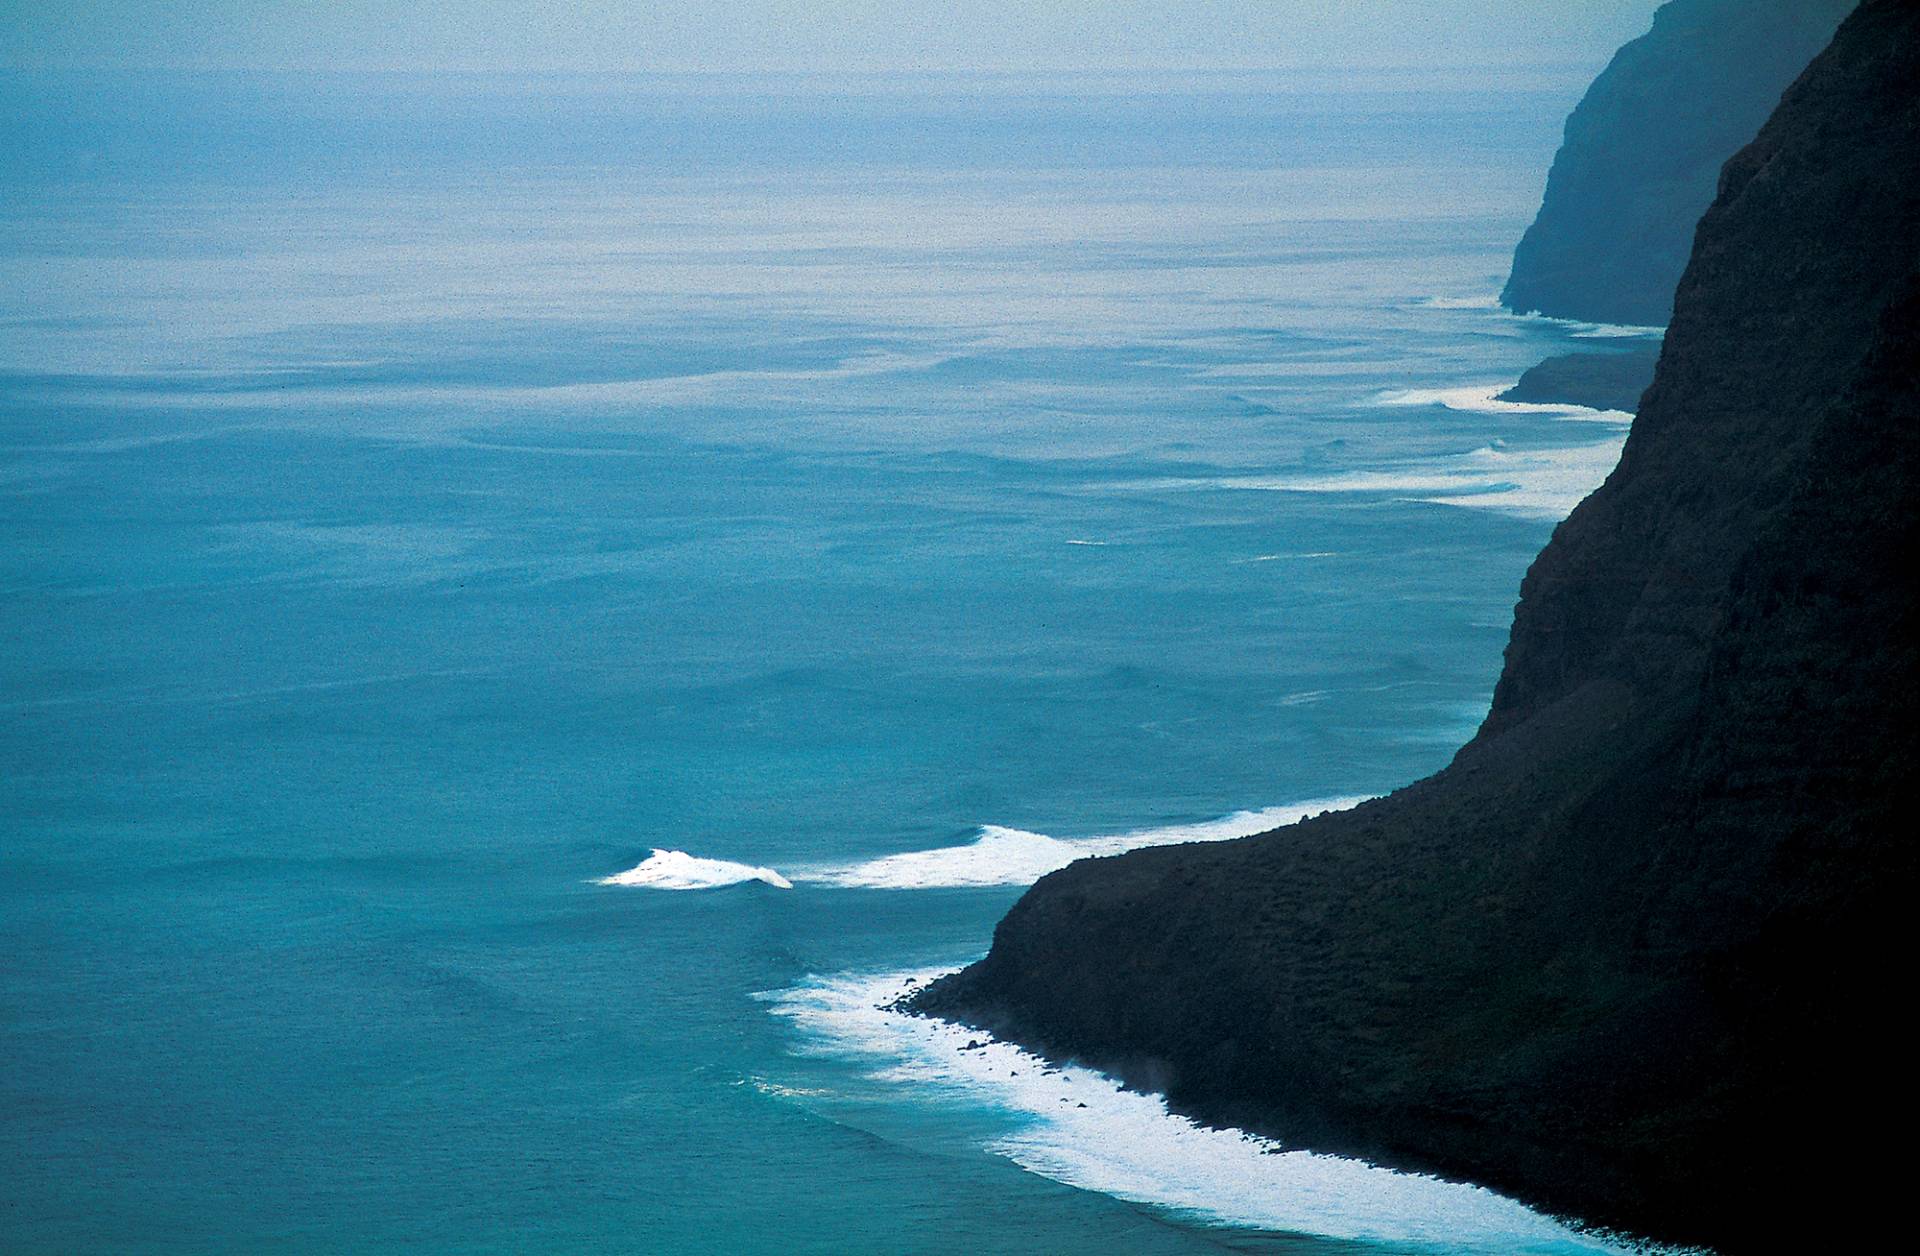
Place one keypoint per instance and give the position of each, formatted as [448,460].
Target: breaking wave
[1003,856]
[677,870]
[998,856]
[1080,1127]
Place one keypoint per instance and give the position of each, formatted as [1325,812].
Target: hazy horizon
[784,36]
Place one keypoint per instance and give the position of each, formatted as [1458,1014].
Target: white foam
[1536,483]
[1533,483]
[677,870]
[1486,301]
[1003,856]
[1080,1127]
[1573,326]
[1616,331]
[1274,558]
[1485,399]
[1530,483]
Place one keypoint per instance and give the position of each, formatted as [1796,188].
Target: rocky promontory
[1636,955]
[1600,381]
[1643,149]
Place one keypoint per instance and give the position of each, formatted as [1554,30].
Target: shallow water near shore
[513,653]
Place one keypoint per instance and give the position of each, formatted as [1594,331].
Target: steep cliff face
[1627,955]
[1643,149]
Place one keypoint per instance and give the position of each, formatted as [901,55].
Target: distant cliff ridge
[1643,150]
[1637,954]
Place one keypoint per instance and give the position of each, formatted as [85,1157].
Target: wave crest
[677,870]
[1003,856]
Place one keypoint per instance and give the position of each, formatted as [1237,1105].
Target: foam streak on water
[1081,1127]
[1485,399]
[1545,483]
[1490,302]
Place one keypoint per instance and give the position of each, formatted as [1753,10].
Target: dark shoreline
[927,1000]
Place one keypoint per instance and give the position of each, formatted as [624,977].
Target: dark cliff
[1636,955]
[1644,147]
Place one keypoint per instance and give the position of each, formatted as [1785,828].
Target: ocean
[534,607]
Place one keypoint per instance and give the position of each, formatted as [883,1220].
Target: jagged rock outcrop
[1644,147]
[1637,954]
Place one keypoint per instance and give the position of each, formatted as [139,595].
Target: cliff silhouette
[1633,955]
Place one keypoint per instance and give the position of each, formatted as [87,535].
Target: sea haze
[532,605]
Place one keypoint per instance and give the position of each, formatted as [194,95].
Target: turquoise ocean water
[421,503]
